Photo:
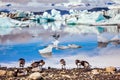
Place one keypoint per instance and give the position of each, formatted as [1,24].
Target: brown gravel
[61,74]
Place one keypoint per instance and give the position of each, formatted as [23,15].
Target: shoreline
[108,73]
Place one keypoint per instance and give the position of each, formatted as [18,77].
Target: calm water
[25,43]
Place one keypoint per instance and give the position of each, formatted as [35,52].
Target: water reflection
[27,41]
[47,29]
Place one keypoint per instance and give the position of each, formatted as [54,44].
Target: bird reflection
[56,36]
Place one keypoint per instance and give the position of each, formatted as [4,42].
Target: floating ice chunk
[74,46]
[48,49]
[6,22]
[5,31]
[58,17]
[54,12]
[100,18]
[71,19]
[71,11]
[117,17]
[46,15]
[63,47]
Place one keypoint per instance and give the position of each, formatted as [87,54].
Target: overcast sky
[53,1]
[42,1]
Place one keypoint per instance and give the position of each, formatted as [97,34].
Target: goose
[77,62]
[85,64]
[42,62]
[35,64]
[21,62]
[63,63]
[38,64]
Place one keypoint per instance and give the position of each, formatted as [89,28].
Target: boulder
[2,72]
[35,69]
[35,76]
[95,71]
[110,69]
[10,73]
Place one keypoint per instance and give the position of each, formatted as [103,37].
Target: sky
[41,1]
[53,1]
[30,5]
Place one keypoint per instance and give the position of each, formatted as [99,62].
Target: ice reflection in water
[98,42]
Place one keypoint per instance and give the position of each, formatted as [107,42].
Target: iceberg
[74,46]
[85,17]
[6,22]
[5,31]
[48,49]
[54,16]
[100,18]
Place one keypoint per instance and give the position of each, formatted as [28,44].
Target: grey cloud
[41,1]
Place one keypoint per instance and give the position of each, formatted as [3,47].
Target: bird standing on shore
[38,64]
[63,63]
[21,62]
[79,63]
[85,64]
[42,62]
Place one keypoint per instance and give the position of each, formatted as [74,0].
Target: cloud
[40,1]
[2,3]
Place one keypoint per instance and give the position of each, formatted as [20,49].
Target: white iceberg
[6,22]
[48,49]
[5,31]
[74,46]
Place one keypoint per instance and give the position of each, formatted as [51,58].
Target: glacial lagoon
[100,45]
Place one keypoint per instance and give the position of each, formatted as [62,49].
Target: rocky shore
[108,73]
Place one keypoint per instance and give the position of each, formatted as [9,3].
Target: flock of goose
[41,63]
